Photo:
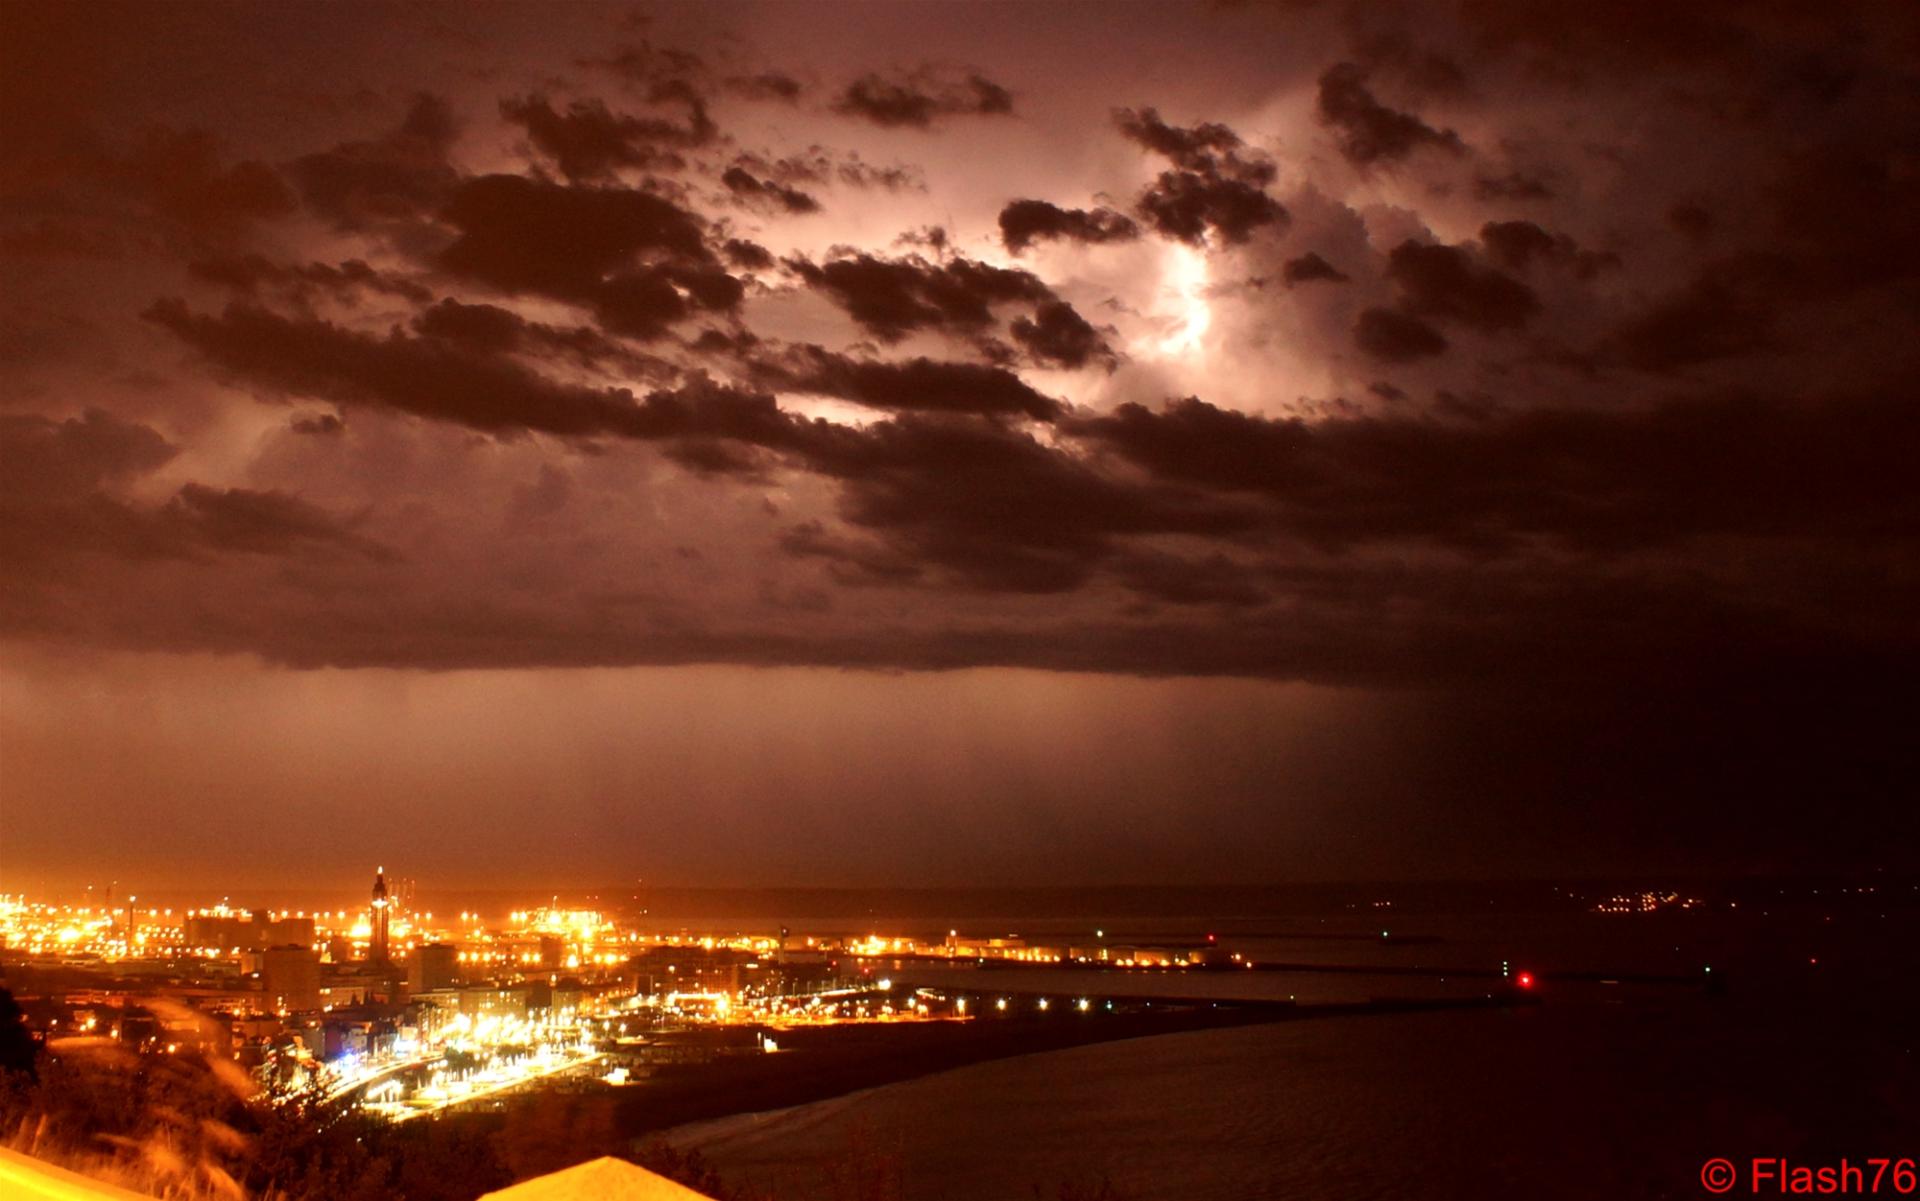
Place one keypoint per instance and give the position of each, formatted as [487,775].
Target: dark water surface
[1602,1091]
[1574,1102]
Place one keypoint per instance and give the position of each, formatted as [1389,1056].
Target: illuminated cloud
[921,97]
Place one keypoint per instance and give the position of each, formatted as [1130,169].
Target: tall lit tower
[377,945]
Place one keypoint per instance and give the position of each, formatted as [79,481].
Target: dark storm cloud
[1710,36]
[589,142]
[1445,282]
[1172,579]
[1185,205]
[48,459]
[917,384]
[103,195]
[918,99]
[1518,244]
[816,165]
[243,520]
[64,540]
[485,327]
[854,172]
[1208,149]
[183,177]
[429,377]
[767,85]
[944,490]
[637,259]
[645,301]
[1369,131]
[1426,71]
[322,425]
[663,77]
[1395,337]
[251,273]
[1024,222]
[60,499]
[718,458]
[490,328]
[893,297]
[444,380]
[766,192]
[1578,632]
[1692,220]
[1591,480]
[851,561]
[1514,185]
[526,234]
[653,68]
[997,509]
[1848,211]
[1057,336]
[1217,188]
[747,255]
[1727,311]
[399,177]
[1310,267]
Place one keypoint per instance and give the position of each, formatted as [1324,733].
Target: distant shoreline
[937,905]
[820,1064]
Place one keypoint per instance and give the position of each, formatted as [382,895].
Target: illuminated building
[435,965]
[290,976]
[377,942]
[223,930]
[661,970]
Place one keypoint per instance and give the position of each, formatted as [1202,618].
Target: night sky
[916,443]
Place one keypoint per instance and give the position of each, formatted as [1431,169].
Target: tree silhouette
[18,1051]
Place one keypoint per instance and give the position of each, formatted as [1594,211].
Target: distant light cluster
[1646,902]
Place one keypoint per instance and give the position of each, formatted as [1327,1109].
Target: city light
[380,1005]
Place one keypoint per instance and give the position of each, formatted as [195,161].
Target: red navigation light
[1209,938]
[1524,979]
